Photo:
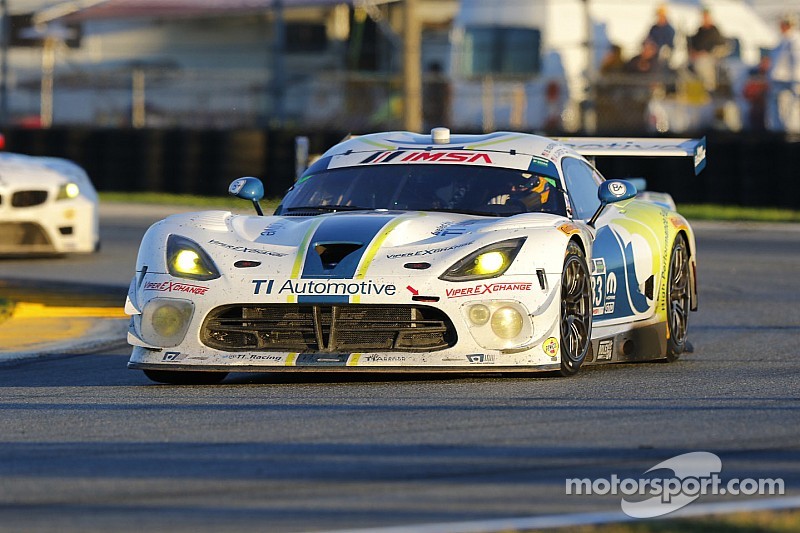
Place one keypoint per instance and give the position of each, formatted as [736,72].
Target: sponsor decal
[246,249]
[617,188]
[273,228]
[700,155]
[175,286]
[377,358]
[236,186]
[604,350]
[441,227]
[323,287]
[171,357]
[604,288]
[550,346]
[426,156]
[262,357]
[540,162]
[598,266]
[489,288]
[480,359]
[428,252]
[252,357]
[569,228]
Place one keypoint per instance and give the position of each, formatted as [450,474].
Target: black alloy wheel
[677,299]
[576,310]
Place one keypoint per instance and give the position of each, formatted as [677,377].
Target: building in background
[516,64]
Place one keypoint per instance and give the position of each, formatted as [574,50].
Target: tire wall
[741,170]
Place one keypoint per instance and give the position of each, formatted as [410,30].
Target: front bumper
[55,226]
[394,332]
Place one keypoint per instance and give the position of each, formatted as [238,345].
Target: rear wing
[639,147]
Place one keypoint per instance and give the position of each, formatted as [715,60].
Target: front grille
[28,198]
[28,235]
[315,328]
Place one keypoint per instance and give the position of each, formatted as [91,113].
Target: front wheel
[185,378]
[677,299]
[576,310]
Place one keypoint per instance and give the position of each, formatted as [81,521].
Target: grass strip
[690,211]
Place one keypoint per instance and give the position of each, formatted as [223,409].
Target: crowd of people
[771,91]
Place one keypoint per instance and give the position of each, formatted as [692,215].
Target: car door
[625,252]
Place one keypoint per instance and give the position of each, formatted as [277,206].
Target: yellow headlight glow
[489,263]
[68,191]
[168,320]
[188,262]
[165,321]
[506,322]
[185,259]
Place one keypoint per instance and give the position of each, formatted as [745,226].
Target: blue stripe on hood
[344,229]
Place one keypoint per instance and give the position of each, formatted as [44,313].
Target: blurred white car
[47,205]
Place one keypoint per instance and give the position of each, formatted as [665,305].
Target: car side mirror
[248,189]
[610,192]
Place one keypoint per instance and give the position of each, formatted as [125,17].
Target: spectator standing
[662,33]
[647,61]
[783,76]
[613,62]
[705,46]
[755,92]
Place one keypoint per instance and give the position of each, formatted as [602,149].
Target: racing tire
[185,378]
[576,310]
[678,287]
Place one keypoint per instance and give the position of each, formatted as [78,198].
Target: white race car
[47,205]
[407,252]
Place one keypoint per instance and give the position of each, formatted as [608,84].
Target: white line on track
[583,519]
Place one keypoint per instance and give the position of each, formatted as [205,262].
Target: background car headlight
[68,191]
[488,262]
[185,259]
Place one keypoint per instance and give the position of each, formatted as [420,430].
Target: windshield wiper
[332,208]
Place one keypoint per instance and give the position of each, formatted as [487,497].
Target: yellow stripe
[379,145]
[301,251]
[353,359]
[291,359]
[372,251]
[493,141]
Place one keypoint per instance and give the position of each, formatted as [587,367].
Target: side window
[582,182]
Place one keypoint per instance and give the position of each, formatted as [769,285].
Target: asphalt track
[87,445]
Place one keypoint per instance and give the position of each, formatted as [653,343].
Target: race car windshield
[476,190]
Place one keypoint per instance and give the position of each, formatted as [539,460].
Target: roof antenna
[440,135]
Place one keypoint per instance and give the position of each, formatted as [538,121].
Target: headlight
[498,324]
[165,321]
[185,259]
[488,262]
[507,322]
[68,191]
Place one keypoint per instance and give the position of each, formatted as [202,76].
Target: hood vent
[331,254]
